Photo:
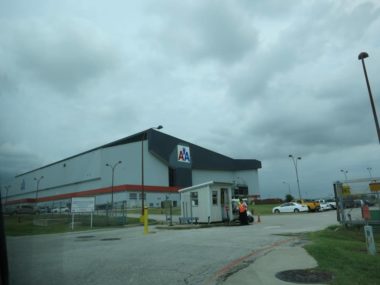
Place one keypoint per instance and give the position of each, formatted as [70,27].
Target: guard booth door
[225,203]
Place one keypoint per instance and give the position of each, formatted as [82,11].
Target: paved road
[127,256]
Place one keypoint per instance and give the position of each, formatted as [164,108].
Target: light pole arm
[296,169]
[372,101]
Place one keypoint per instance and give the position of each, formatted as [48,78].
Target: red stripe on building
[100,191]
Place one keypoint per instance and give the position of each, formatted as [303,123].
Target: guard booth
[208,202]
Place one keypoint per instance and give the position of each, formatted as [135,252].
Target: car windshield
[131,130]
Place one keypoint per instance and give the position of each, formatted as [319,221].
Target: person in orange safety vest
[242,207]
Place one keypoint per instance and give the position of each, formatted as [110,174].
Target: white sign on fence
[83,205]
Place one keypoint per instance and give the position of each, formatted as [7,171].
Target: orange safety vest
[242,207]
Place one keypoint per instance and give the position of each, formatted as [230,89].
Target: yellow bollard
[146,220]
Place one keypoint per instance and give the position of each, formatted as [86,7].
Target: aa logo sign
[183,153]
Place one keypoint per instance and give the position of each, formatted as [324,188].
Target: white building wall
[89,172]
[124,172]
[129,171]
[202,176]
[71,175]
[250,178]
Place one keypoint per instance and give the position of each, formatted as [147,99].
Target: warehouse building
[150,166]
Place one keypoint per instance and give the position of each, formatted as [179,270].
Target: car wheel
[296,211]
[251,219]
[277,211]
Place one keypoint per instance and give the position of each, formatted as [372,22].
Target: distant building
[150,161]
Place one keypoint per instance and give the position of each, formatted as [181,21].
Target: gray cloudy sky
[249,79]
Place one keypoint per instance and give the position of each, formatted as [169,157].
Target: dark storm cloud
[63,55]
[15,159]
[320,30]
[249,79]
[199,31]
[7,86]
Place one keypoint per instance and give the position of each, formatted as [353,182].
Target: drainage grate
[85,237]
[107,239]
[305,276]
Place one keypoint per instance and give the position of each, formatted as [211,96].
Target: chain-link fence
[358,201]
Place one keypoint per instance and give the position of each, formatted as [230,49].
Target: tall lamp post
[296,168]
[38,185]
[361,57]
[344,171]
[369,170]
[113,175]
[142,169]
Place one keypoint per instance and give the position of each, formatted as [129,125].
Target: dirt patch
[306,276]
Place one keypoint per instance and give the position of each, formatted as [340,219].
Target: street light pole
[296,168]
[38,184]
[369,170]
[113,171]
[344,171]
[361,57]
[142,169]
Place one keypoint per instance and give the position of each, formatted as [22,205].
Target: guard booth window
[215,197]
[194,198]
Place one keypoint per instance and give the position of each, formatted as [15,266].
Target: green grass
[343,252]
[157,211]
[262,209]
[23,224]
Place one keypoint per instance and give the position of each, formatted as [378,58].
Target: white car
[290,207]
[325,207]
[60,210]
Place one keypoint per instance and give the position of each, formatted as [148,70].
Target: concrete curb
[261,266]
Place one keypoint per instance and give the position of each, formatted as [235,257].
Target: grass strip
[343,252]
[23,224]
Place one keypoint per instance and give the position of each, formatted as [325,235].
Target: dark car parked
[22,209]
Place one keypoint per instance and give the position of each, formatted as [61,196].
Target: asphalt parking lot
[127,256]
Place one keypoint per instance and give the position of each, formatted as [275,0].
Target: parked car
[312,206]
[358,203]
[44,210]
[60,210]
[22,209]
[369,203]
[325,207]
[348,202]
[332,203]
[291,207]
